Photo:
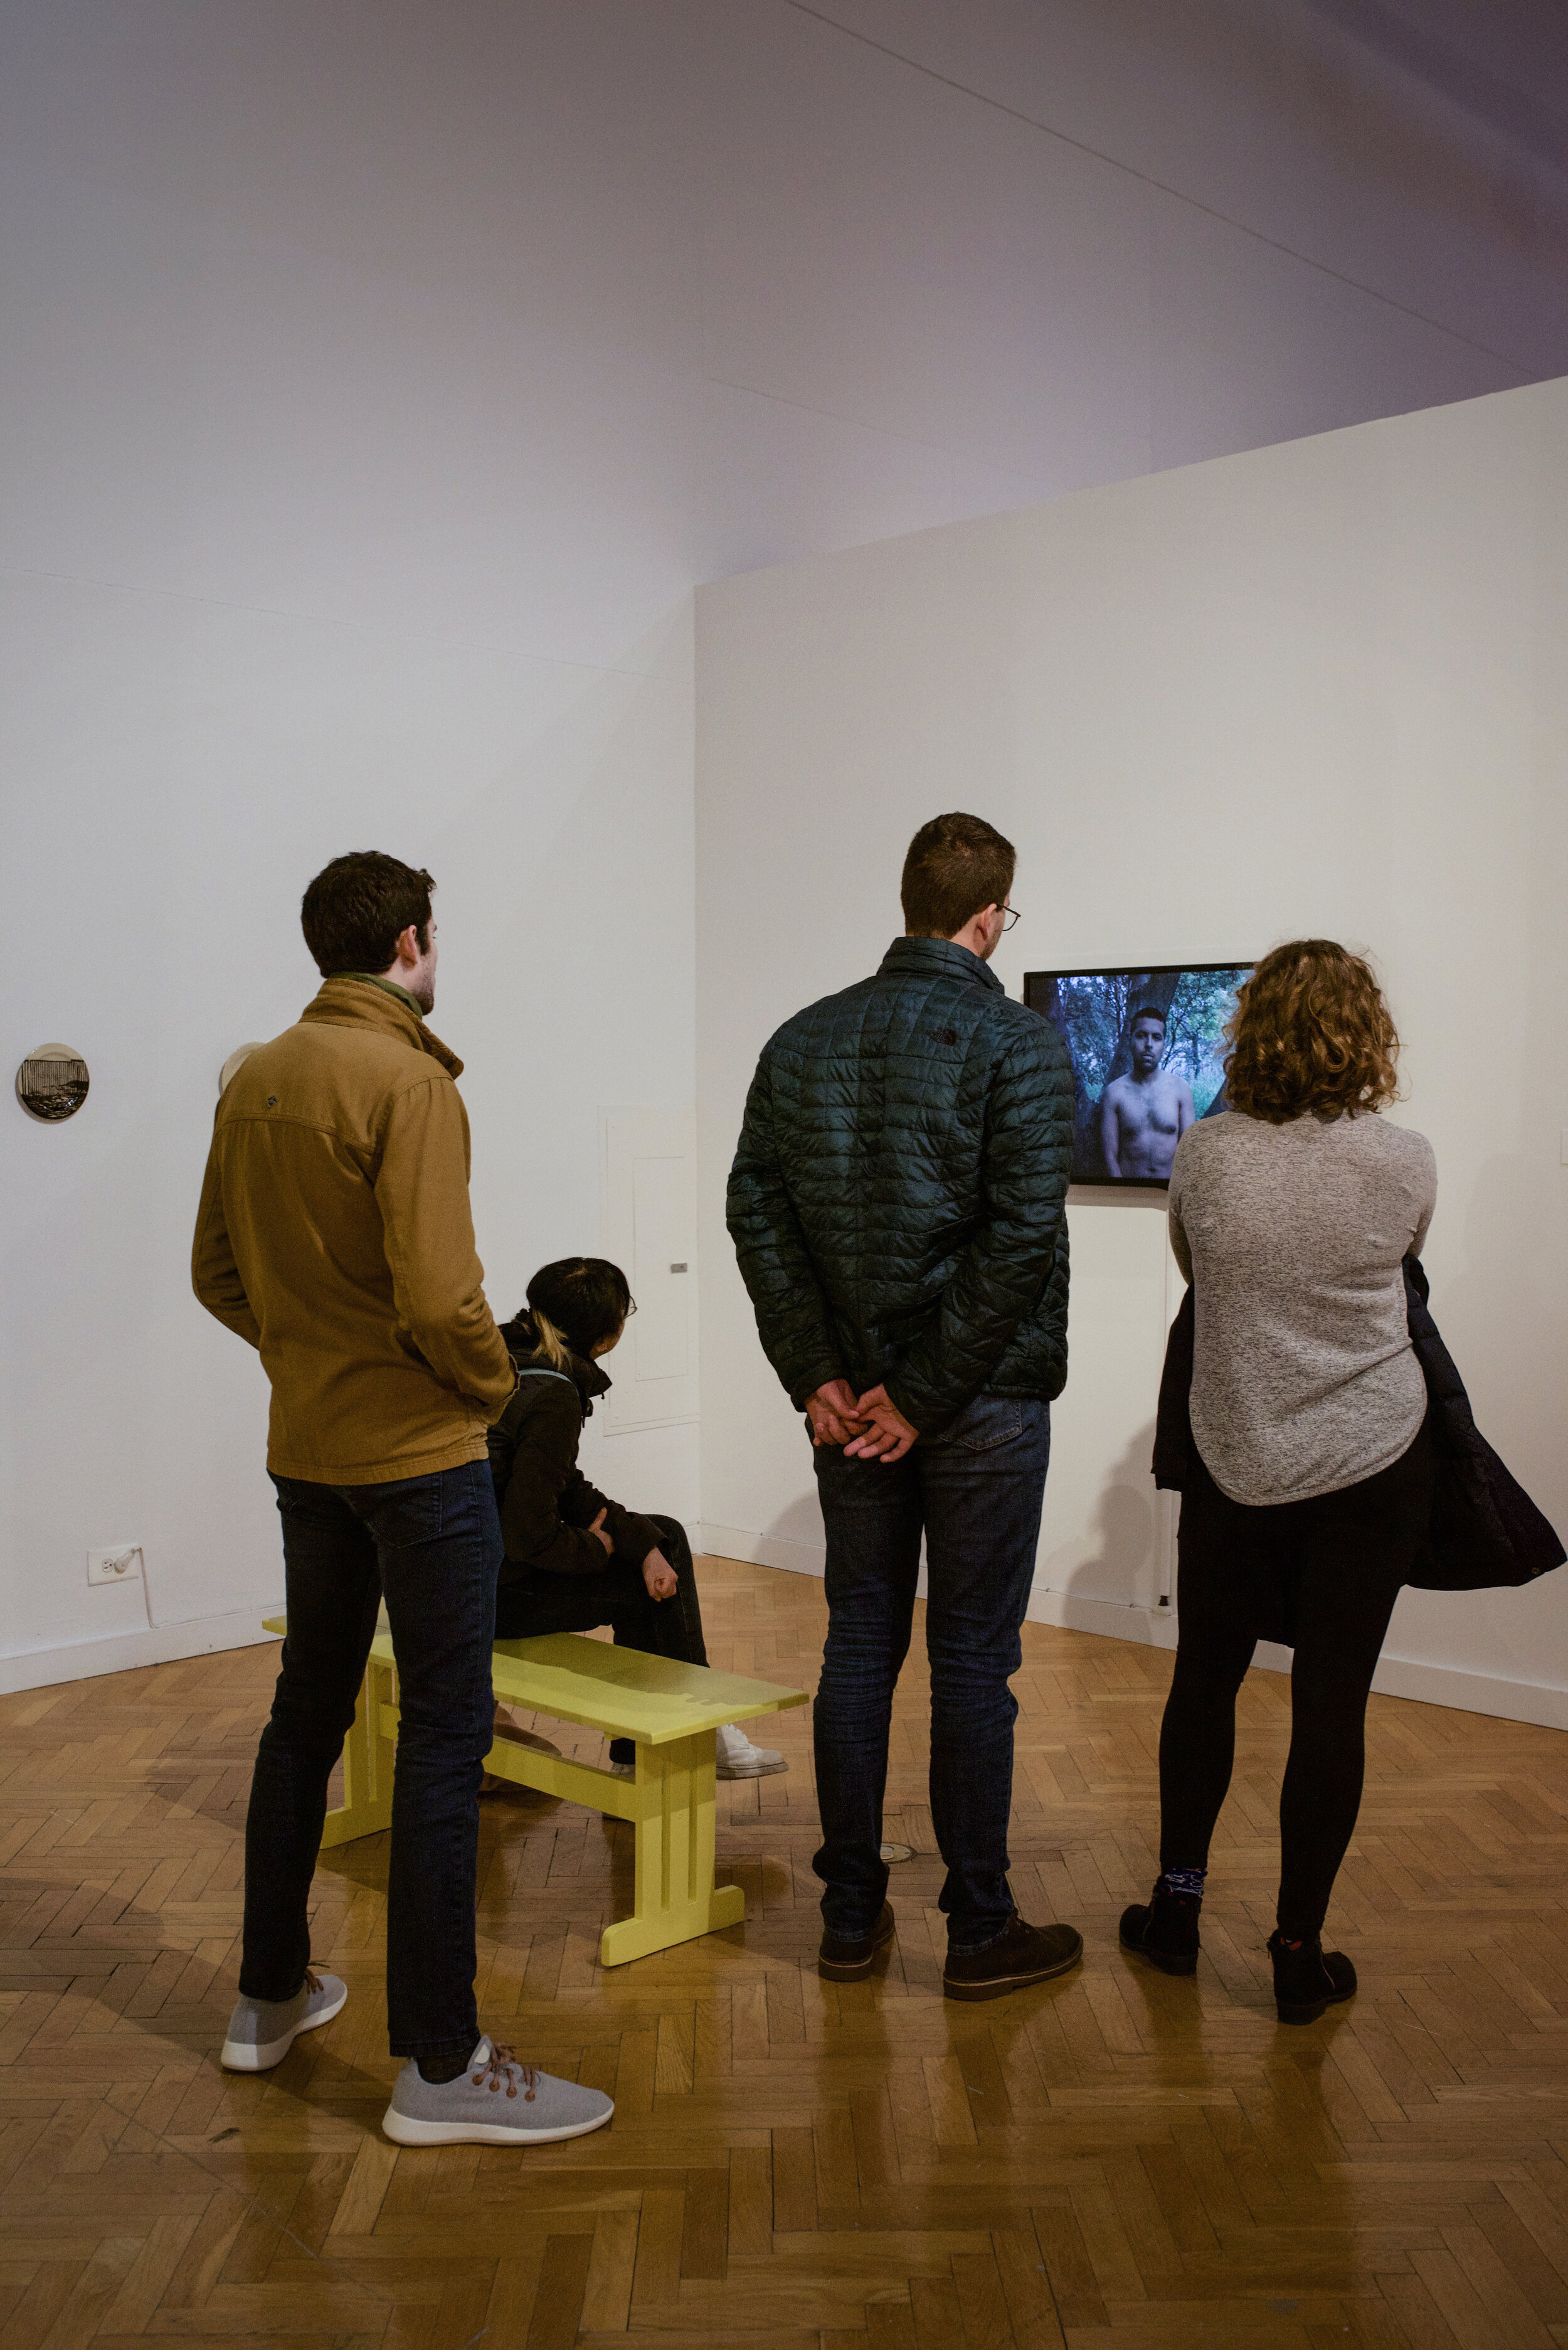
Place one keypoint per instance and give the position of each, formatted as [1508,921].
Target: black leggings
[1333,1566]
[529,1603]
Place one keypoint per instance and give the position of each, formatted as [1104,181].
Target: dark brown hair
[578,1300]
[1311,1032]
[956,865]
[359,907]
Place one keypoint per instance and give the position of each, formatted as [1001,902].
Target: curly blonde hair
[1311,1032]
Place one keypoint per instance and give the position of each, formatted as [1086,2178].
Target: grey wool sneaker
[496,2100]
[262,2031]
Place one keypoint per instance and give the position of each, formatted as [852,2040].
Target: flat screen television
[1148,1049]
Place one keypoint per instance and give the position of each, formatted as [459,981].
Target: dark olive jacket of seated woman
[547,1504]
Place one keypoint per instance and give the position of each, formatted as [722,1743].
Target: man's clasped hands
[870,1426]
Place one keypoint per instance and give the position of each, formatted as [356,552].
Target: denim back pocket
[985,1422]
[406,1511]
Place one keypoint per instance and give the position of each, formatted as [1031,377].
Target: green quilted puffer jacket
[898,1200]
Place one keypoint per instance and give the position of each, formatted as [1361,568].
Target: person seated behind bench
[574,1560]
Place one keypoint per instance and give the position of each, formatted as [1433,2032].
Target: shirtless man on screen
[1143,1116]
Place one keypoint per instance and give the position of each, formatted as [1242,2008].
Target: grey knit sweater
[1304,1379]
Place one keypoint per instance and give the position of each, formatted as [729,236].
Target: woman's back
[1312,1489]
[1291,1235]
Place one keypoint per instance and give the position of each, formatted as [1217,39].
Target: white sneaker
[737,1758]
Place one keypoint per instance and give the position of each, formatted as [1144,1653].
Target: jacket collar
[929,956]
[371,979]
[587,1376]
[348,1001]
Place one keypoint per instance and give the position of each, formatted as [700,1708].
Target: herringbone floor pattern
[1117,2159]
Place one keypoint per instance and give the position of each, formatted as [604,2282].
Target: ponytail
[552,1346]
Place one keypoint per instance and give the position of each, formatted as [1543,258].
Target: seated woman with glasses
[574,1559]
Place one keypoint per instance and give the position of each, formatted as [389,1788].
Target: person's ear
[408,947]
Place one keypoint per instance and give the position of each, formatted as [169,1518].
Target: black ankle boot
[1164,1930]
[1307,1977]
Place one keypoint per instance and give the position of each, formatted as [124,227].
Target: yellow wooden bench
[671,1711]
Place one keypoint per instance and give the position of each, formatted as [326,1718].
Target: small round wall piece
[52,1082]
[236,1060]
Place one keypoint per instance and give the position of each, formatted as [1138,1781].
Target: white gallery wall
[376,383]
[1316,689]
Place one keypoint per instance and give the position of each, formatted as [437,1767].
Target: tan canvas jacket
[335,1234]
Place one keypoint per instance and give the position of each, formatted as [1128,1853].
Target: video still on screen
[1148,1049]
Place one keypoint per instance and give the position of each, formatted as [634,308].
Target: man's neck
[962,939]
[375,979]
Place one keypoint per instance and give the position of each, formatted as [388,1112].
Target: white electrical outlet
[122,1565]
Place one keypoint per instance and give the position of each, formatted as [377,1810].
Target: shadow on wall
[1501,1316]
[800,1520]
[1486,1310]
[1122,1570]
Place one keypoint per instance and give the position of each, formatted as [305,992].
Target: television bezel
[1119,971]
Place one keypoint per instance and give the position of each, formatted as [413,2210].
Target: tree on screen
[1096,1014]
[1200,1005]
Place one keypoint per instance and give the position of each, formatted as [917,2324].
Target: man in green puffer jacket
[897,1208]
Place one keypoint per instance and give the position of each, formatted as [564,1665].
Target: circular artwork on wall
[236,1060]
[52,1082]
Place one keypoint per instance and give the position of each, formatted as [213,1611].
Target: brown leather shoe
[1024,1954]
[843,1960]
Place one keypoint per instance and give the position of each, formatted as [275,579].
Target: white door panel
[650,1172]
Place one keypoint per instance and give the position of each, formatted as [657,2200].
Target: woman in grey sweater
[1309,1484]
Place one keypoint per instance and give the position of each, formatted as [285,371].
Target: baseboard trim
[123,1652]
[1155,1628]
[1152,1627]
[1428,1684]
[759,1550]
[1471,1693]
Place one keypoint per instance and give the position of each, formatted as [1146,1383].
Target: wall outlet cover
[122,1565]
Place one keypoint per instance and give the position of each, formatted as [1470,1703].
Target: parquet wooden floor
[1118,2160]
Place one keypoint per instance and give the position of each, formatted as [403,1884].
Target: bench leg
[368,1752]
[676,1898]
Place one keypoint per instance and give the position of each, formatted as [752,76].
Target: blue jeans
[432,1545]
[975,1493]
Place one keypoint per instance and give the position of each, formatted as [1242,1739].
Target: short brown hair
[956,865]
[359,907]
[1311,1032]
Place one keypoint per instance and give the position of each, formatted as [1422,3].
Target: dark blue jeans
[432,1546]
[975,1493]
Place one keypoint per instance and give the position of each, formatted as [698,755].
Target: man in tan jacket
[335,1236]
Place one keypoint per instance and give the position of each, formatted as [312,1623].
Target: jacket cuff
[804,1389]
[636,1536]
[925,1419]
[633,1536]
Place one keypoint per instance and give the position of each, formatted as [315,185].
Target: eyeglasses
[1009,916]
